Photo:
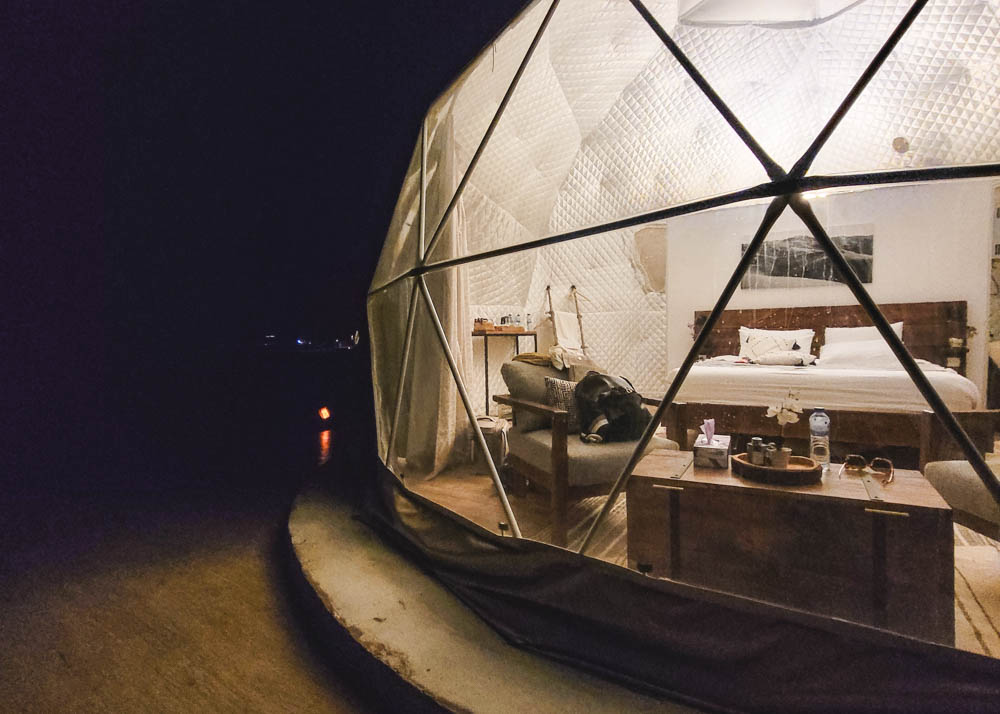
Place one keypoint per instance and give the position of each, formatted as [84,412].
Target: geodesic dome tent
[704,197]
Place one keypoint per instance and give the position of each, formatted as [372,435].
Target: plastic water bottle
[819,436]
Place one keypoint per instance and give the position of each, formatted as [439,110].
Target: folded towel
[537,358]
[567,330]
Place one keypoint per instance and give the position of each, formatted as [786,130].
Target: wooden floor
[977,592]
[977,558]
[473,496]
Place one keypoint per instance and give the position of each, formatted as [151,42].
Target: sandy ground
[157,602]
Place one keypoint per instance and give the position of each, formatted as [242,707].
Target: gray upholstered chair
[971,504]
[543,452]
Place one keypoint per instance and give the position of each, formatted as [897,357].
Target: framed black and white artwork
[797,261]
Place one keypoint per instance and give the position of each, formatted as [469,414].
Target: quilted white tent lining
[783,83]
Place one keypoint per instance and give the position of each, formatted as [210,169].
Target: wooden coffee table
[878,555]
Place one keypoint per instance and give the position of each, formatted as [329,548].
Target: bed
[872,389]
[867,405]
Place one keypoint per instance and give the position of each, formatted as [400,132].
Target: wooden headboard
[927,326]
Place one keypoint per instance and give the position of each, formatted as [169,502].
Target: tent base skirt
[701,647]
[439,649]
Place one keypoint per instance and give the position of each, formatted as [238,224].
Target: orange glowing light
[324,413]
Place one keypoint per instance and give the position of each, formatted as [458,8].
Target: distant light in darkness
[325,439]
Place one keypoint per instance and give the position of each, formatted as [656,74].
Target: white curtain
[436,428]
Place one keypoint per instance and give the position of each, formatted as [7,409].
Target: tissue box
[714,455]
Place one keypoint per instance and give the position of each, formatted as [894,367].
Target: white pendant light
[760,12]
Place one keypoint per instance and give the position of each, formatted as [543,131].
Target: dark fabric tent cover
[703,647]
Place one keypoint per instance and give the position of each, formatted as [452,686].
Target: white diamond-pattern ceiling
[595,81]
[939,90]
[784,83]
[647,154]
[582,141]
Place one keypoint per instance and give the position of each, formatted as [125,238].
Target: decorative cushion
[527,381]
[560,393]
[756,346]
[756,342]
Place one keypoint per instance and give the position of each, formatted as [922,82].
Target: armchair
[544,453]
[971,503]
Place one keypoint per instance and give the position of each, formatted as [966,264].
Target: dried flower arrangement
[787,411]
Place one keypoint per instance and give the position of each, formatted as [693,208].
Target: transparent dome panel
[604,124]
[388,310]
[459,118]
[935,101]
[686,262]
[399,252]
[438,454]
[968,488]
[535,322]
[878,517]
[432,418]
[785,80]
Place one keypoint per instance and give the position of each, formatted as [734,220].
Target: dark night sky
[189,174]
[254,155]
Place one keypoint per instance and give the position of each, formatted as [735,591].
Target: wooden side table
[827,548]
[486,335]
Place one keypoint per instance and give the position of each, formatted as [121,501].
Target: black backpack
[610,408]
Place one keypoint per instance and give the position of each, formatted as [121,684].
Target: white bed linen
[875,389]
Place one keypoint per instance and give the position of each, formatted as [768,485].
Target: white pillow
[780,341]
[793,358]
[756,346]
[866,354]
[833,335]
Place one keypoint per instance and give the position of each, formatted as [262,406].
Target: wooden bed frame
[927,330]
[927,327]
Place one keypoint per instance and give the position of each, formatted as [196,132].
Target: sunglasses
[857,464]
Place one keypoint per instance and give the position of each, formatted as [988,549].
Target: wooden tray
[801,471]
